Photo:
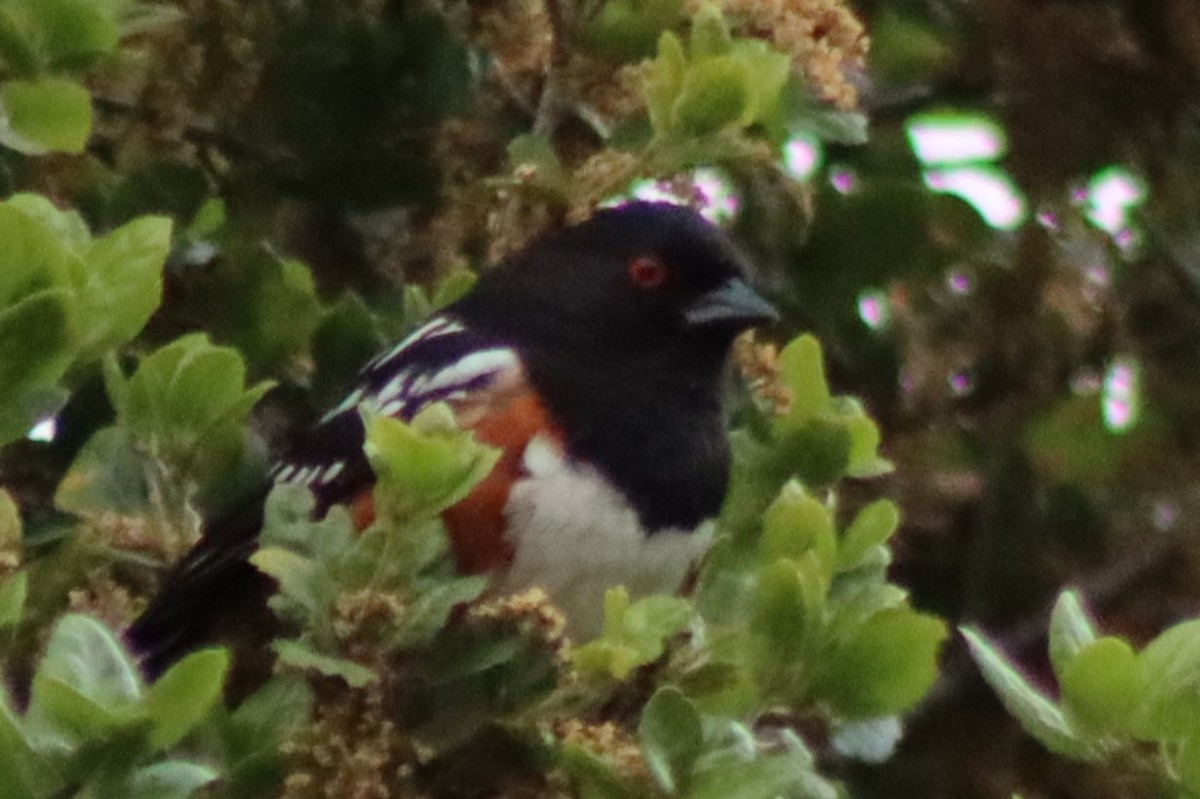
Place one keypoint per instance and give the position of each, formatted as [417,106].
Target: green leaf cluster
[93,728]
[402,558]
[634,634]
[1112,699]
[44,46]
[700,756]
[180,426]
[809,618]
[820,439]
[67,298]
[715,82]
[628,29]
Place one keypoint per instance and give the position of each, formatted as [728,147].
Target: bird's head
[649,282]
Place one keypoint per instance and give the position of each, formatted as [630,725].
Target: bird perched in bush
[593,360]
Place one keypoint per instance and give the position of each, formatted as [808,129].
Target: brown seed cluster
[759,365]
[352,750]
[360,619]
[608,741]
[532,613]
[105,598]
[823,37]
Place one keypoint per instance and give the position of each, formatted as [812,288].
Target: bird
[595,360]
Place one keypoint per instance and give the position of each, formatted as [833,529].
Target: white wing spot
[283,472]
[394,388]
[331,472]
[439,326]
[352,399]
[475,365]
[393,408]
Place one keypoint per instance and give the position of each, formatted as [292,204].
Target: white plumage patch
[438,326]
[575,535]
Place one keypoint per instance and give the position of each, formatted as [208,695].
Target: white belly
[576,536]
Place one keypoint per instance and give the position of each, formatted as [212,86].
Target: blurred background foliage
[1005,266]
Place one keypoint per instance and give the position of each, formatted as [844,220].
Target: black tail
[213,596]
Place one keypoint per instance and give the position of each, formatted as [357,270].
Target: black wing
[213,593]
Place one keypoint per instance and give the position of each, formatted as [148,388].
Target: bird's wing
[443,360]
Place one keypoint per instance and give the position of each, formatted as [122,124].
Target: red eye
[647,272]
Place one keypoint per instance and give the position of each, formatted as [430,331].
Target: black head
[625,323]
[642,282]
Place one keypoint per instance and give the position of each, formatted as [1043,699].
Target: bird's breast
[572,533]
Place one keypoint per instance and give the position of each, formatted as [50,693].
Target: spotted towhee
[593,359]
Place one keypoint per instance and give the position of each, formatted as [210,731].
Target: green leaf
[60,710]
[627,29]
[732,775]
[346,338]
[885,665]
[265,720]
[74,33]
[817,451]
[13,591]
[634,634]
[592,777]
[872,527]
[1187,763]
[296,576]
[170,779]
[453,287]
[67,228]
[802,370]
[45,115]
[298,656]
[424,466]
[806,114]
[534,159]
[786,609]
[432,608]
[1099,685]
[186,405]
[108,474]
[906,49]
[664,79]
[710,34]
[122,270]
[24,773]
[10,520]
[17,46]
[797,524]
[769,70]
[864,460]
[1071,630]
[185,694]
[1039,717]
[714,93]
[672,737]
[35,341]
[1168,683]
[85,655]
[35,256]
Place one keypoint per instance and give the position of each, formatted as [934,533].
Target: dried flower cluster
[759,366]
[360,618]
[608,741]
[533,614]
[352,750]
[823,37]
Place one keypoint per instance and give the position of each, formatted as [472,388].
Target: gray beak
[733,304]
